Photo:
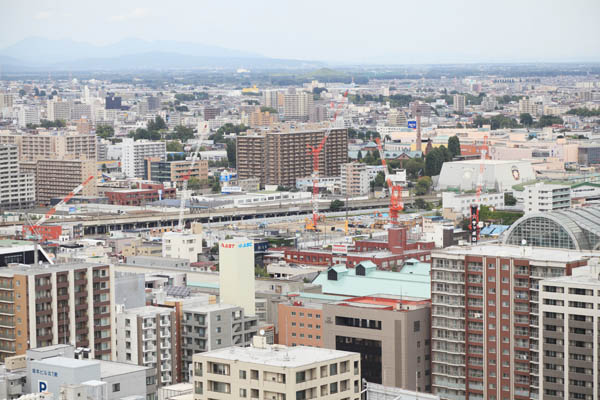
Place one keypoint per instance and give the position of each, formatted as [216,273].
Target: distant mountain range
[133,54]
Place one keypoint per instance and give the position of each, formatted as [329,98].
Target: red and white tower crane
[315,151]
[396,204]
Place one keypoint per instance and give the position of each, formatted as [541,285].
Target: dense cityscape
[196,223]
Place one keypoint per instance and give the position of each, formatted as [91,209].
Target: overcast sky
[353,31]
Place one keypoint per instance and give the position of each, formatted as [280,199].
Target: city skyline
[339,33]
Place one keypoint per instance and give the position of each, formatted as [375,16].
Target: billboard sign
[412,124]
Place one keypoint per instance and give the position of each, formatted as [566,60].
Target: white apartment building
[276,372]
[146,336]
[354,179]
[543,197]
[59,110]
[530,106]
[459,204]
[182,245]
[17,190]
[135,152]
[28,115]
[569,366]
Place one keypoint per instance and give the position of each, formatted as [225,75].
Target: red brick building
[147,193]
[386,254]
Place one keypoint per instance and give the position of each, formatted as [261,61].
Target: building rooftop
[347,282]
[587,275]
[523,252]
[147,310]
[278,356]
[207,307]
[68,362]
[23,269]
[111,368]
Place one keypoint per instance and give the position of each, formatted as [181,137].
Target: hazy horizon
[335,32]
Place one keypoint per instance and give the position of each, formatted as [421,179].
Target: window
[242,374]
[333,388]
[116,387]
[416,326]
[243,393]
[333,370]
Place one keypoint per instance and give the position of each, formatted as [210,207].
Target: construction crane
[34,229]
[475,208]
[186,178]
[315,151]
[396,204]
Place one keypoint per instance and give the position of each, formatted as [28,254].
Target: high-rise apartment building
[211,327]
[459,103]
[297,106]
[79,110]
[136,151]
[59,304]
[276,372]
[529,106]
[281,157]
[17,189]
[355,179]
[543,197]
[153,103]
[273,98]
[486,324]
[28,115]
[146,336]
[6,100]
[52,145]
[55,178]
[59,110]
[569,341]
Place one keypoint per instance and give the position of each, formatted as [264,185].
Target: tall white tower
[236,273]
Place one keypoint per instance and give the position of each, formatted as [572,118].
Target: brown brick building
[280,157]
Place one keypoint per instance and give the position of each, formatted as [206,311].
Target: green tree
[584,112]
[454,146]
[379,180]
[185,97]
[549,120]
[435,159]
[216,186]
[421,204]
[336,205]
[423,185]
[526,119]
[174,146]
[359,155]
[157,125]
[231,153]
[509,199]
[194,183]
[182,133]
[414,168]
[270,110]
[105,131]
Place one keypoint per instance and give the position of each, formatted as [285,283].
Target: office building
[79,110]
[588,154]
[211,113]
[208,327]
[135,153]
[486,324]
[67,373]
[281,157]
[17,189]
[569,338]
[297,106]
[68,303]
[575,229]
[55,178]
[355,179]
[236,273]
[182,245]
[543,197]
[459,103]
[391,333]
[112,102]
[146,336]
[59,110]
[174,171]
[276,372]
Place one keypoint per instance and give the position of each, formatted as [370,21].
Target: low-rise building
[182,245]
[543,197]
[276,372]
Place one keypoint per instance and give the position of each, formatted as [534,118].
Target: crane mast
[396,204]
[476,207]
